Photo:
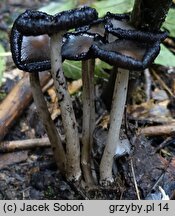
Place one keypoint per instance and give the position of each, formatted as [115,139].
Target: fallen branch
[161,130]
[16,101]
[134,179]
[10,146]
[12,158]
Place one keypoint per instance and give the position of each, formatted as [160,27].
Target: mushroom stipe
[63,22]
[77,47]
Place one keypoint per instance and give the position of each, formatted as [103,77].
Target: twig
[10,146]
[161,130]
[48,85]
[134,178]
[150,120]
[156,183]
[100,118]
[165,143]
[12,158]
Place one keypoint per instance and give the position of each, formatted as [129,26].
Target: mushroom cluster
[40,42]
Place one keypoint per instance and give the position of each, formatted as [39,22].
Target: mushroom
[77,47]
[34,23]
[127,55]
[118,26]
[64,21]
[16,41]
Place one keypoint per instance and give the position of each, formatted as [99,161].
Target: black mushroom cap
[33,23]
[121,17]
[136,34]
[36,23]
[77,45]
[23,60]
[95,27]
[128,47]
[127,54]
[119,25]
[74,18]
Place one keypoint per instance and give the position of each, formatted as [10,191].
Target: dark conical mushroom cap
[33,23]
[127,54]
[77,46]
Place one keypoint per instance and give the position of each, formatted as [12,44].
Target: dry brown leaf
[52,93]
[141,110]
[156,111]
[74,86]
[104,122]
[54,109]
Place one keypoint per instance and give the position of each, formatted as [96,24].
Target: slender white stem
[45,117]
[88,118]
[67,112]
[116,115]
[92,99]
